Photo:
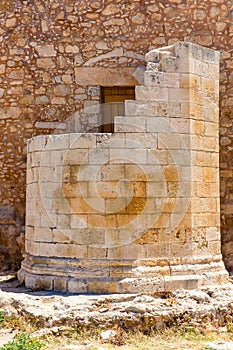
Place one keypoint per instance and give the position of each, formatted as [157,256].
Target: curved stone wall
[49,51]
[136,210]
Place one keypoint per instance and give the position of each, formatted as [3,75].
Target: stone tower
[136,210]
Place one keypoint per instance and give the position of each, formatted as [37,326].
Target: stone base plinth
[143,276]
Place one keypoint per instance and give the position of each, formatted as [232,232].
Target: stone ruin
[136,210]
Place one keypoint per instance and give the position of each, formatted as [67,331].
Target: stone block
[58,101]
[116,206]
[169,141]
[130,124]
[40,282]
[137,156]
[141,140]
[169,65]
[62,90]
[117,140]
[196,97]
[76,286]
[214,159]
[214,247]
[197,127]
[211,129]
[136,206]
[169,109]
[213,234]
[203,158]
[156,189]
[145,93]
[98,156]
[103,288]
[43,235]
[155,156]
[59,235]
[60,284]
[90,172]
[158,79]
[157,124]
[139,108]
[101,221]
[190,81]
[78,221]
[57,206]
[211,143]
[47,220]
[55,158]
[179,125]
[111,172]
[57,142]
[132,251]
[152,250]
[83,207]
[96,253]
[191,110]
[46,63]
[47,249]
[120,272]
[46,50]
[101,76]
[184,282]
[63,220]
[124,220]
[179,94]
[75,157]
[70,251]
[78,141]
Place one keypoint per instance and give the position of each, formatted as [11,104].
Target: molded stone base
[67,275]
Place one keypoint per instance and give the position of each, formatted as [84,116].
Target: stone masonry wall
[56,54]
[226,156]
[136,210]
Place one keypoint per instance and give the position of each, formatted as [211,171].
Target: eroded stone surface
[181,308]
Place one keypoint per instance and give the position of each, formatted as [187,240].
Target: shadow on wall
[11,243]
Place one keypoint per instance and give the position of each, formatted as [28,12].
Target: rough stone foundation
[137,210]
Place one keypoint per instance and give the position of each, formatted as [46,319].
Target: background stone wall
[50,49]
[226,157]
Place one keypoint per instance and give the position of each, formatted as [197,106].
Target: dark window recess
[113,105]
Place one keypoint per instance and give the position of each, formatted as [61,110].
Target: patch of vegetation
[230,328]
[23,342]
[2,318]
[23,324]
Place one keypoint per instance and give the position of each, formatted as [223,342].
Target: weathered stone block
[46,50]
[157,124]
[76,286]
[130,124]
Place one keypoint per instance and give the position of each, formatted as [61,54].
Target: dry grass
[189,339]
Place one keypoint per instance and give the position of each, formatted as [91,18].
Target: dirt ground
[198,320]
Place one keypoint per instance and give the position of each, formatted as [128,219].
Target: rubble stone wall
[56,54]
[136,210]
[226,156]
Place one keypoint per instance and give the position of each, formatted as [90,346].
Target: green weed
[23,342]
[2,318]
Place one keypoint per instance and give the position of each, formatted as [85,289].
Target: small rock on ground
[108,335]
